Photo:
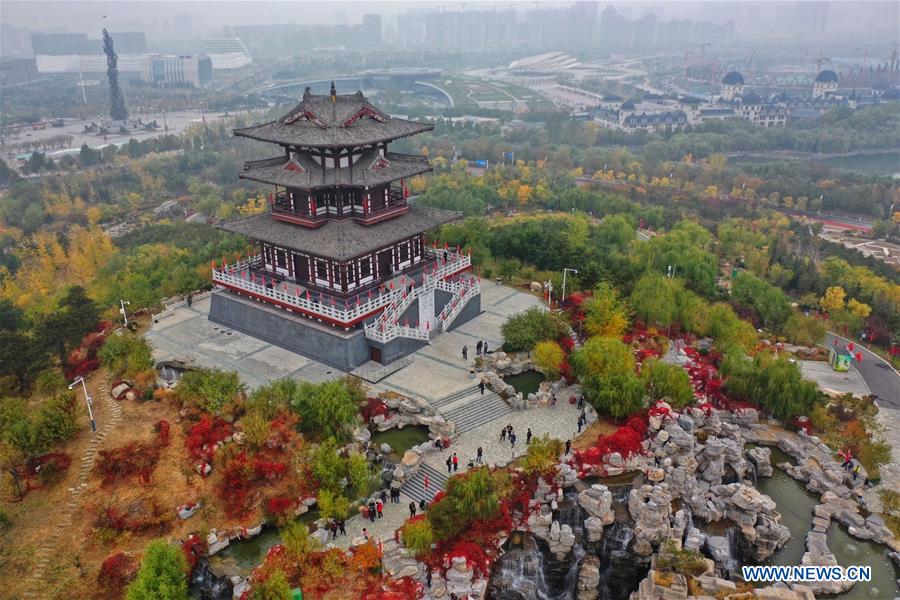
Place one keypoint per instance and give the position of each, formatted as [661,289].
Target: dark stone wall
[342,350]
[471,310]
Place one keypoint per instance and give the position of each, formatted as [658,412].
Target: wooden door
[375,353]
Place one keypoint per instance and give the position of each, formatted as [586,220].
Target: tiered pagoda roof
[341,239]
[301,171]
[334,121]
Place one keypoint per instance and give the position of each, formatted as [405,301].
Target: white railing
[239,276]
[462,291]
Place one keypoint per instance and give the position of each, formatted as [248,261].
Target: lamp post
[87,400]
[123,304]
[566,270]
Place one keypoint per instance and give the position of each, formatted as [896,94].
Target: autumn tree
[606,314]
[668,382]
[833,300]
[273,587]
[549,357]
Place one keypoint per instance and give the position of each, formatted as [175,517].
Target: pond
[795,504]
[401,440]
[526,382]
[241,557]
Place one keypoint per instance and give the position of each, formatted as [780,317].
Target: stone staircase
[415,486]
[469,409]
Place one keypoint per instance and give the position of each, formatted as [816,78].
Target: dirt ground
[39,513]
[588,437]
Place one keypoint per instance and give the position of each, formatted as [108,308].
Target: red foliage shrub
[236,486]
[282,432]
[82,368]
[803,423]
[567,344]
[475,557]
[279,506]
[625,440]
[269,470]
[141,515]
[163,434]
[373,408]
[194,548]
[131,460]
[405,588]
[116,572]
[204,435]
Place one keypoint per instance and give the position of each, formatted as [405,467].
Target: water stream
[795,504]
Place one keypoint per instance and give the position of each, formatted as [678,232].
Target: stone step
[478,411]
[459,395]
[415,488]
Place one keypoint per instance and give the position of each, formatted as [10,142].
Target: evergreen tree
[162,575]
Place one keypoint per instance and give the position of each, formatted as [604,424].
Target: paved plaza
[185,334]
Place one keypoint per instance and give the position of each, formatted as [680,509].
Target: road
[882,379]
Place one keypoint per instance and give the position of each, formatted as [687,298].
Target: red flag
[850,346]
[859,357]
[213,264]
[357,300]
[308,295]
[446,245]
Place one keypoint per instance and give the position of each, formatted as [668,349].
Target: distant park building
[826,82]
[226,53]
[732,86]
[343,273]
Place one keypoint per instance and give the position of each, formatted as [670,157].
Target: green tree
[602,357]
[330,408]
[213,390]
[773,382]
[730,331]
[273,587]
[605,313]
[471,496]
[807,331]
[542,454]
[655,298]
[20,358]
[769,302]
[522,331]
[162,575]
[297,541]
[669,382]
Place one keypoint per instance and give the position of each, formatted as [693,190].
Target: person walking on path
[855,472]
[439,444]
[528,436]
[380,506]
[503,433]
[334,529]
[372,509]
[383,496]
[580,423]
[553,400]
[512,440]
[479,455]
[449,462]
[422,505]
[484,347]
[481,386]
[581,402]
[190,300]
[568,447]
[365,534]
[478,347]
[428,578]
[465,353]
[455,463]
[412,509]
[341,527]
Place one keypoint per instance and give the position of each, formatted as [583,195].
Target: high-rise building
[226,53]
[371,25]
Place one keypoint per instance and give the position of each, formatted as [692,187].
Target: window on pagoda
[281,259]
[321,269]
[365,267]
[404,252]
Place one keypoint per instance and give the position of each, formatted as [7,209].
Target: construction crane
[750,60]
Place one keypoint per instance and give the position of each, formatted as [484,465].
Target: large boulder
[761,458]
[560,539]
[588,585]
[597,502]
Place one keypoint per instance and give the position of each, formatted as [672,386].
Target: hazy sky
[165,19]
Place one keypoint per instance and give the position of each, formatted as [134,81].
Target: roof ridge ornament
[333,92]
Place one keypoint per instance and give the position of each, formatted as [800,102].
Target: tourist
[341,527]
[372,509]
[412,509]
[568,447]
[553,400]
[478,347]
[581,402]
[439,444]
[503,433]
[465,353]
[380,507]
[528,436]
[422,505]
[334,529]
[512,440]
[383,496]
[481,386]
[365,534]
[484,347]
[190,299]
[455,463]
[580,423]
[478,456]
[428,577]
[449,462]
[848,460]
[855,472]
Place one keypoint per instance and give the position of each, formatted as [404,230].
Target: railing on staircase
[463,290]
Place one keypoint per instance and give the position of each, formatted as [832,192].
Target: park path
[37,587]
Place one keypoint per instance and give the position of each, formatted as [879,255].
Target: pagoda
[343,272]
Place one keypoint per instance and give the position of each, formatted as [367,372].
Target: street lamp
[123,304]
[575,271]
[87,399]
